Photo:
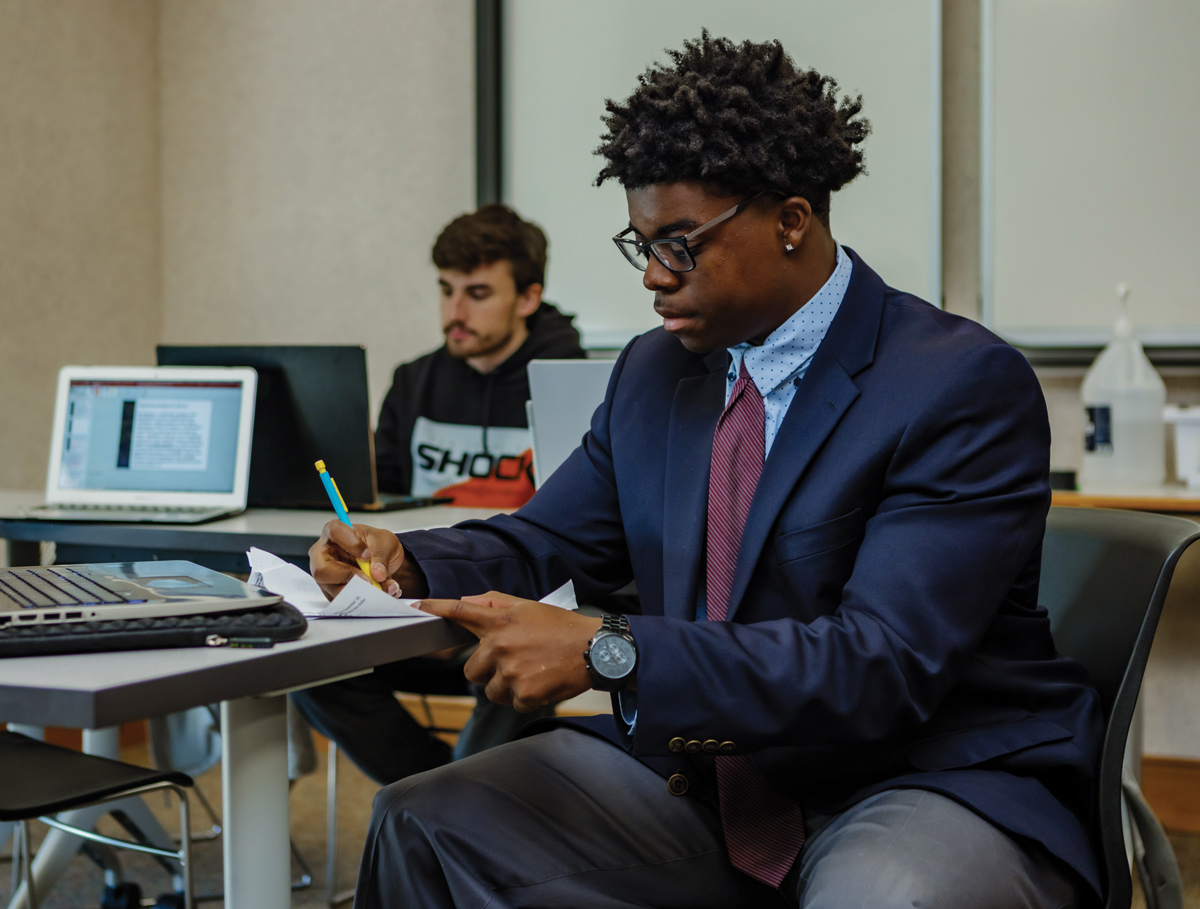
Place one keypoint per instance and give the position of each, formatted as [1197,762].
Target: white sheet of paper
[294,584]
[362,600]
[358,599]
[563,598]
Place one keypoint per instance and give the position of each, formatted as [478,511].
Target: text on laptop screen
[158,436]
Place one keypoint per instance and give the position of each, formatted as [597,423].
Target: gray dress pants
[564,819]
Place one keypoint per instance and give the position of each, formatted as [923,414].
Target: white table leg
[255,803]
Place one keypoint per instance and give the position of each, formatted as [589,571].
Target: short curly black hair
[740,117]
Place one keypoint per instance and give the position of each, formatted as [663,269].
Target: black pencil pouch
[262,627]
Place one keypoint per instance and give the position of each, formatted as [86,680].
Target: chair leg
[214,830]
[1157,866]
[185,849]
[27,865]
[331,823]
[332,897]
[305,879]
[8,830]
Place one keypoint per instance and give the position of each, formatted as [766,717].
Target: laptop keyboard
[136,509]
[38,587]
[127,514]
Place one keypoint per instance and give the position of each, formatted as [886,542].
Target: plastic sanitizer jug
[1123,398]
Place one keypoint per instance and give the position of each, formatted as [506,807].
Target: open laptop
[120,590]
[563,395]
[313,405]
[139,443]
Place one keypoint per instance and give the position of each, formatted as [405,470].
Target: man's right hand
[333,560]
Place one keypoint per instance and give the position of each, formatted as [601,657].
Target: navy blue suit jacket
[883,626]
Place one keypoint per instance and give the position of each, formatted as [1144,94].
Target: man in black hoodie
[453,424]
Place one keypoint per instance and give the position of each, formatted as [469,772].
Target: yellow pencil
[339,507]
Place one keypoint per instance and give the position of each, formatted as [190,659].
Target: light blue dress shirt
[780,362]
[778,365]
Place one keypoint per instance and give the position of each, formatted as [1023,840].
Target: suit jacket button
[676,744]
[727,748]
[677,784]
[710,746]
[692,747]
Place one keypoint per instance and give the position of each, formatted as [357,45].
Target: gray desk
[220,545]
[100,690]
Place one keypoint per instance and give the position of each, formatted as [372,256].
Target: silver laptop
[149,444]
[120,590]
[563,394]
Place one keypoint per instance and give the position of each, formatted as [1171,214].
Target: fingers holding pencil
[344,550]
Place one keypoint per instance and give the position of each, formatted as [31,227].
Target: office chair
[40,780]
[1105,576]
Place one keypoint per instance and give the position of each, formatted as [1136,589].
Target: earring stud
[787,247]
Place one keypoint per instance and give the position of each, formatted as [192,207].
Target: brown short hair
[492,234]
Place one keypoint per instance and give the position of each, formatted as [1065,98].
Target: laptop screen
[160,436]
[144,435]
[563,394]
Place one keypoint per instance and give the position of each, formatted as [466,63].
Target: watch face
[612,656]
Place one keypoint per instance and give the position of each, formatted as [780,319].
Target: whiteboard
[562,58]
[1091,131]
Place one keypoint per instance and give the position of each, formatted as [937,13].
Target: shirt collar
[790,347]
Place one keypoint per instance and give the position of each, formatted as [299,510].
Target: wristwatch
[611,655]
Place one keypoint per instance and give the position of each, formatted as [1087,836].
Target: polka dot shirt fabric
[779,363]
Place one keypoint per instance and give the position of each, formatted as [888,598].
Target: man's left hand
[530,654]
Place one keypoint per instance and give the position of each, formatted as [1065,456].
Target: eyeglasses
[672,252]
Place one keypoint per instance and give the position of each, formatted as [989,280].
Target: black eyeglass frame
[631,249]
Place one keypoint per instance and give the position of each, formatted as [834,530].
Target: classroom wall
[79,205]
[274,172]
[310,154]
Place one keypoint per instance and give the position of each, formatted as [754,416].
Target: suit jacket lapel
[697,405]
[824,396]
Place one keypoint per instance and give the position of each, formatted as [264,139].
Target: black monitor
[312,405]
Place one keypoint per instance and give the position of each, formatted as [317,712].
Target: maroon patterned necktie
[763,830]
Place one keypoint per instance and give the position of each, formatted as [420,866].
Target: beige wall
[79,205]
[253,171]
[311,152]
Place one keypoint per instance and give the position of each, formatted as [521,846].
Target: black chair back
[1105,575]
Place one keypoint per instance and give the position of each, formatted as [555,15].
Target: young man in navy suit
[832,497]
